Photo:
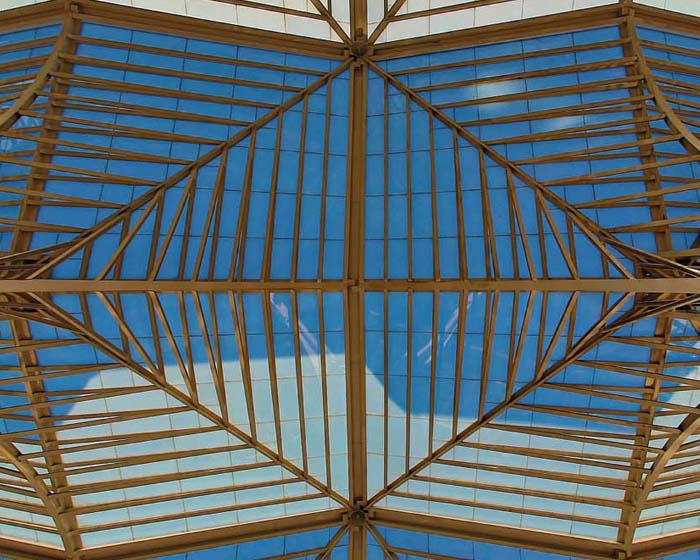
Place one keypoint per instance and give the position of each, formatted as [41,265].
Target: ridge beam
[618,285]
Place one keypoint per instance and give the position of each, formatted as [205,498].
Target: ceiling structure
[335,279]
[386,21]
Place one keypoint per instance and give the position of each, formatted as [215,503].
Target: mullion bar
[272,368]
[459,360]
[409,187]
[461,241]
[244,357]
[299,381]
[490,314]
[409,378]
[238,259]
[433,368]
[324,387]
[300,190]
[215,208]
[324,183]
[270,229]
[433,199]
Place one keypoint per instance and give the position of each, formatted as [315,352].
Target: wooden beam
[490,34]
[354,285]
[332,21]
[589,18]
[594,549]
[354,301]
[212,538]
[542,541]
[332,543]
[21,550]
[186,26]
[154,376]
[160,22]
[34,15]
[358,20]
[668,20]
[61,507]
[388,553]
[354,297]
[381,26]
[597,285]
[666,546]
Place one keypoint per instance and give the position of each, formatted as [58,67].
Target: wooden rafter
[536,540]
[381,26]
[677,285]
[354,266]
[325,13]
[92,10]
[244,532]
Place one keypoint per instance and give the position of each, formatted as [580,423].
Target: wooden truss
[635,286]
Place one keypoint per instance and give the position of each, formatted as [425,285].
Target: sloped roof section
[307,18]
[404,18]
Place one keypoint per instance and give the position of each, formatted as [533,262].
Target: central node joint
[358,518]
[359,47]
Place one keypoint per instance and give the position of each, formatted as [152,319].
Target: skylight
[349,281]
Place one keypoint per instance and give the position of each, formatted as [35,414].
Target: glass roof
[410,18]
[380,296]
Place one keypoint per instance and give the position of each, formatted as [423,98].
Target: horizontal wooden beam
[44,13]
[535,540]
[668,20]
[449,527]
[176,544]
[665,546]
[597,285]
[160,22]
[212,538]
[567,545]
[21,550]
[533,27]
[500,32]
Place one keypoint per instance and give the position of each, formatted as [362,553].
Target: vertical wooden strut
[354,270]
[354,295]
[358,21]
